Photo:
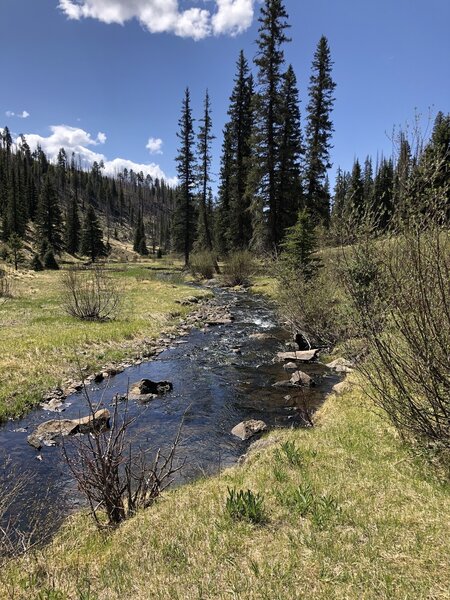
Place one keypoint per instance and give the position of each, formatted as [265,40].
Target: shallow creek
[223,375]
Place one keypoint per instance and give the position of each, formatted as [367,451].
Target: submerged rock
[147,387]
[302,356]
[47,433]
[248,429]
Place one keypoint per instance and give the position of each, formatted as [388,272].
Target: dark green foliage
[15,246]
[49,221]
[185,210]
[234,221]
[205,138]
[289,451]
[73,227]
[140,239]
[159,253]
[265,176]
[299,247]
[245,506]
[50,261]
[91,236]
[36,263]
[319,130]
[291,150]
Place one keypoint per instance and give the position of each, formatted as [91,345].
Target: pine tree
[299,246]
[14,217]
[72,237]
[223,213]
[264,179]
[239,129]
[49,221]
[184,221]
[140,241]
[383,206]
[291,151]
[91,236]
[356,194]
[319,130]
[205,138]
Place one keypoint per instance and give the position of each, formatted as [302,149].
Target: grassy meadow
[349,513]
[41,346]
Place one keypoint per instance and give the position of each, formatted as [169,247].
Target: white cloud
[233,16]
[164,16]
[80,142]
[23,115]
[154,145]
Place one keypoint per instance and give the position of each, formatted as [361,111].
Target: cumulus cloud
[154,145]
[83,144]
[165,16]
[23,115]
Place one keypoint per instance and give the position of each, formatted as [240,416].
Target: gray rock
[341,365]
[290,366]
[248,429]
[48,433]
[301,378]
[301,356]
[342,387]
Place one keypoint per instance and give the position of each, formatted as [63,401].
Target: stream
[221,375]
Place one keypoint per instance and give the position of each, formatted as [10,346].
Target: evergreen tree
[14,217]
[223,213]
[50,261]
[291,151]
[15,245]
[384,194]
[319,130]
[356,195]
[184,221]
[72,237]
[91,236]
[368,183]
[140,241]
[49,222]
[299,246]
[239,130]
[205,138]
[264,179]
[36,263]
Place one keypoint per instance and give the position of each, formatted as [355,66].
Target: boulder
[148,387]
[301,378]
[47,433]
[290,366]
[301,356]
[342,387]
[341,365]
[248,429]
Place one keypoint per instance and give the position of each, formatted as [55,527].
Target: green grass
[349,514]
[41,346]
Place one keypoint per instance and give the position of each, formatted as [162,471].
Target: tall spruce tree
[240,126]
[264,180]
[205,138]
[223,213]
[49,219]
[291,151]
[184,218]
[72,236]
[356,198]
[91,236]
[319,131]
[384,194]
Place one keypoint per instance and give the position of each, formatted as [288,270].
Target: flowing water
[221,376]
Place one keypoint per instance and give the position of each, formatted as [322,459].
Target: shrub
[50,261]
[290,451]
[159,253]
[36,263]
[5,286]
[90,294]
[203,264]
[401,295]
[245,506]
[239,268]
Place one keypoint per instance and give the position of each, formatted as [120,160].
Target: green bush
[239,269]
[245,506]
[203,264]
[50,261]
[36,263]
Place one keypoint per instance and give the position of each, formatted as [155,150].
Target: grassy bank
[377,526]
[41,345]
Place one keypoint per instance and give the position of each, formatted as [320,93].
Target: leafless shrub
[90,294]
[316,307]
[117,479]
[239,268]
[203,264]
[5,286]
[400,288]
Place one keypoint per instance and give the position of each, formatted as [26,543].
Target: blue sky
[108,75]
